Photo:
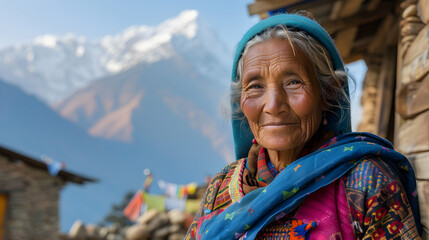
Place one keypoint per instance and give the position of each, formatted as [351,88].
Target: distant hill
[30,127]
[149,104]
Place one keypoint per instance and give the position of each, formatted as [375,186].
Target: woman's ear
[333,89]
[325,105]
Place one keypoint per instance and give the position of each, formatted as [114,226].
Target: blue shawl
[305,176]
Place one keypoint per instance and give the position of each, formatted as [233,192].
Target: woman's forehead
[275,52]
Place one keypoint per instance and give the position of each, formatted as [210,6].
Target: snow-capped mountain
[52,68]
[145,98]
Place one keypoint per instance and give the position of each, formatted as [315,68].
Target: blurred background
[95,92]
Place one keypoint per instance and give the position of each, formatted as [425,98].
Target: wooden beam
[380,38]
[268,5]
[420,164]
[336,8]
[361,44]
[373,4]
[357,19]
[369,95]
[263,15]
[353,57]
[344,40]
[423,196]
[358,50]
[319,11]
[393,35]
[309,6]
[413,135]
[386,86]
[350,7]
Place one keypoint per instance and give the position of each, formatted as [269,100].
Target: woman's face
[281,95]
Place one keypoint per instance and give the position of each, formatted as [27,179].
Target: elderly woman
[304,175]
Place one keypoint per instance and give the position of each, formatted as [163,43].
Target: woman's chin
[282,144]
[280,139]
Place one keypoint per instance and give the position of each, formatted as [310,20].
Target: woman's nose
[275,101]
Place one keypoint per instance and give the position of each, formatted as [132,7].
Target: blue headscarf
[339,125]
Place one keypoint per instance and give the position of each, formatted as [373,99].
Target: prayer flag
[132,210]
[55,167]
[147,182]
[154,201]
[192,188]
[192,205]
[174,203]
[170,189]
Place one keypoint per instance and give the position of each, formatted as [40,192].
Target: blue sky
[23,20]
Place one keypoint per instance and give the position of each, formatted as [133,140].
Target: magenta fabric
[329,208]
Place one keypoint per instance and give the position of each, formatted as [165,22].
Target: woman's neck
[280,159]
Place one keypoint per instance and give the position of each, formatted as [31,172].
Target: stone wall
[410,95]
[369,96]
[152,225]
[412,101]
[32,201]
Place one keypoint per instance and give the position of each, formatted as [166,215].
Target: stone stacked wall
[369,96]
[32,201]
[412,96]
[152,225]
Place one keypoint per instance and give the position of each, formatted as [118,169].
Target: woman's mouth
[276,124]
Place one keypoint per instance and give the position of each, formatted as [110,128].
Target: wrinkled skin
[281,99]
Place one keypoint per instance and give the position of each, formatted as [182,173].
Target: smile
[277,124]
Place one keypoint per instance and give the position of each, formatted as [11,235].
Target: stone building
[29,197]
[392,37]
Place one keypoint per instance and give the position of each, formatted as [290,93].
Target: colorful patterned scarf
[301,178]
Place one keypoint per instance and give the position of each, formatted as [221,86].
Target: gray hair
[331,82]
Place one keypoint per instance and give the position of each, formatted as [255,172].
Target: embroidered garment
[355,173]
[327,208]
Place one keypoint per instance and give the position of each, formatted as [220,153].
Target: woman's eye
[294,82]
[255,86]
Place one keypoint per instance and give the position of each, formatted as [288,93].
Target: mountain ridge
[59,66]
